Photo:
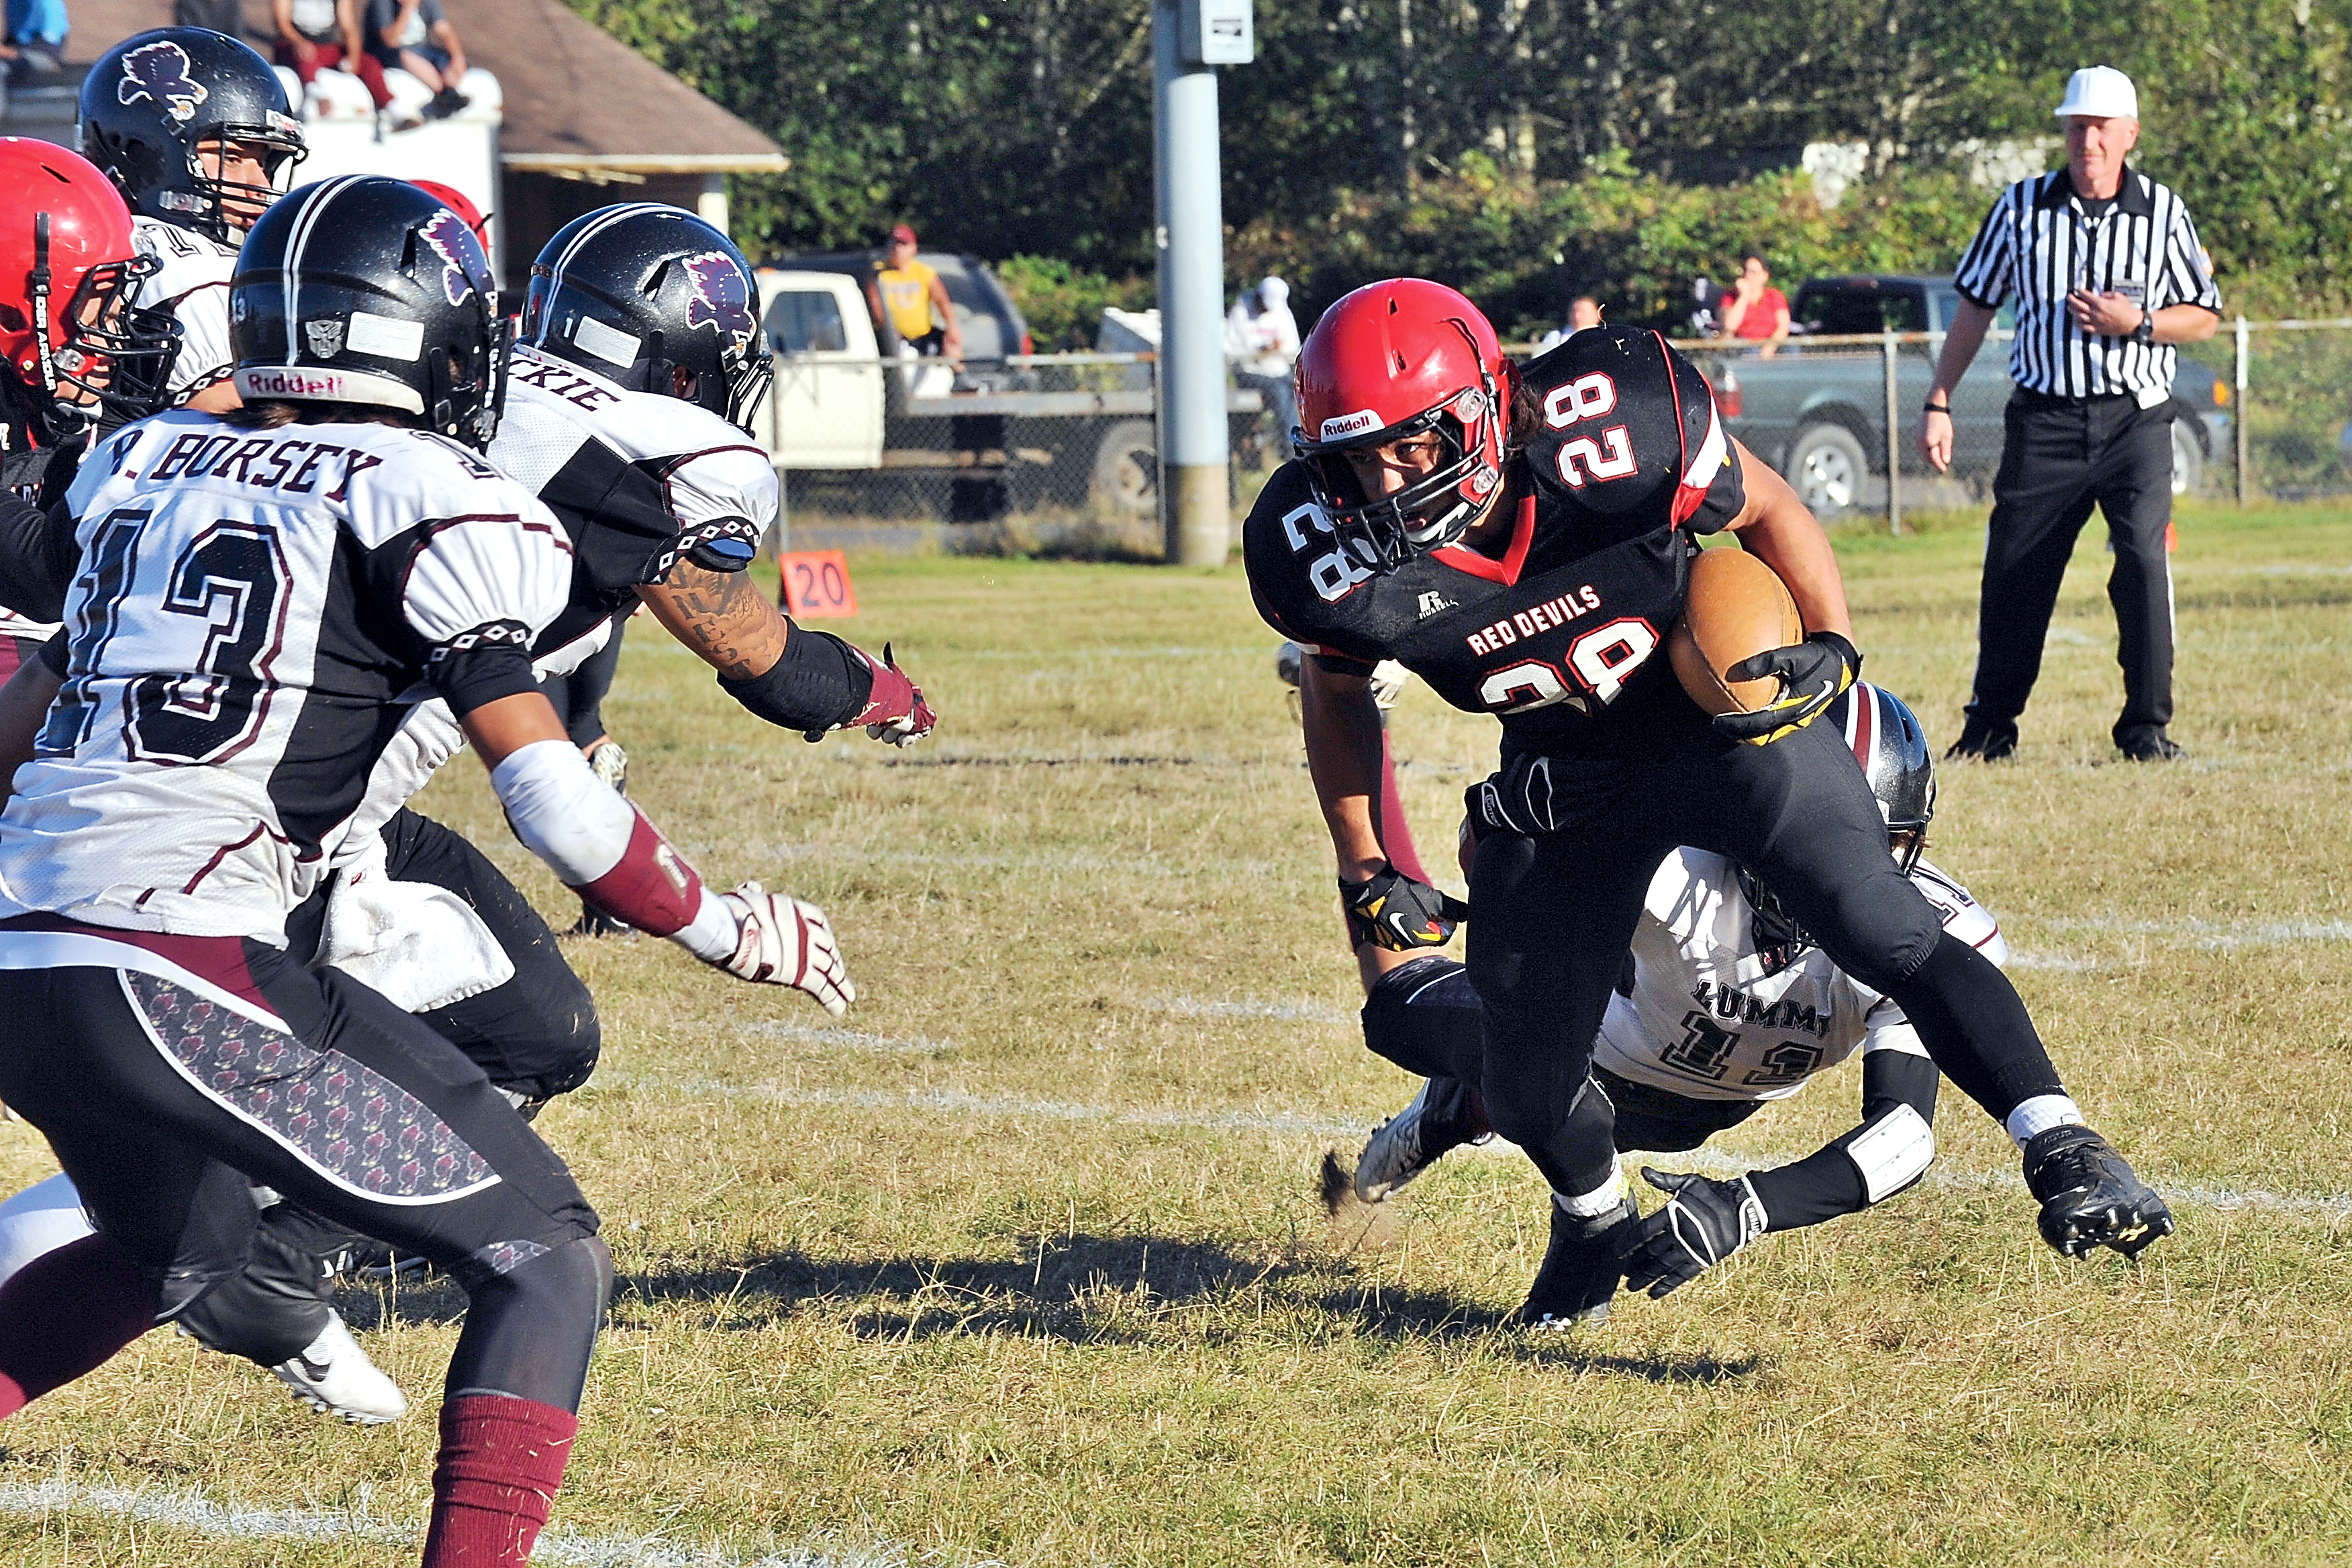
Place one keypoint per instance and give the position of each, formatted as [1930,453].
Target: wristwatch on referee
[2145,333]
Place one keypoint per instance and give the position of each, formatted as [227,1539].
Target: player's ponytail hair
[1525,418]
[271,414]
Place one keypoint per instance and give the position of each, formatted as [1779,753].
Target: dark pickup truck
[1818,412]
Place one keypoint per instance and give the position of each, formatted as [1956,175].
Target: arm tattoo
[721,615]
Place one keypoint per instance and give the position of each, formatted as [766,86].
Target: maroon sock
[66,1313]
[1396,832]
[501,1460]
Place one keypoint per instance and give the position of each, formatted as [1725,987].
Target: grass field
[1024,1262]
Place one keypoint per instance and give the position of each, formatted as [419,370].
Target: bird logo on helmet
[159,71]
[452,239]
[1389,362]
[722,296]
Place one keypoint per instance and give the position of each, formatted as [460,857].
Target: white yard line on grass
[1280,1012]
[2210,933]
[955,1102]
[851,1039]
[201,1515]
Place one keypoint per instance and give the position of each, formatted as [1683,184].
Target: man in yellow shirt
[907,297]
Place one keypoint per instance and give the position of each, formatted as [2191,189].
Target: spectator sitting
[911,302]
[35,42]
[1755,312]
[415,36]
[1262,342]
[324,35]
[1583,312]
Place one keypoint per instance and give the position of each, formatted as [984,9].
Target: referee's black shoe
[2149,745]
[1581,1268]
[1984,744]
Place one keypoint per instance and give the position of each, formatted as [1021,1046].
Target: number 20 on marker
[817,585]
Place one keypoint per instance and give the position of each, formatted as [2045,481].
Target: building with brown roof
[588,120]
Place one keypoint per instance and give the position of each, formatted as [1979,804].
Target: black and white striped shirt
[2038,245]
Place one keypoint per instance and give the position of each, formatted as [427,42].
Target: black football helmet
[365,290]
[1888,741]
[151,100]
[636,290]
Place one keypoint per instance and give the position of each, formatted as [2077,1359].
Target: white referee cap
[2100,92]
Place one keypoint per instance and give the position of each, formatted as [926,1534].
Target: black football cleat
[2090,1198]
[1580,1270]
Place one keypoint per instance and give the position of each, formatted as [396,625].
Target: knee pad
[1424,1016]
[531,1326]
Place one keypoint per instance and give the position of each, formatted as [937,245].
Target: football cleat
[1580,1269]
[2090,1198]
[334,1377]
[1443,1116]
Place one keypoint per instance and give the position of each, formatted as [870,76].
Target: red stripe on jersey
[1507,570]
[1862,727]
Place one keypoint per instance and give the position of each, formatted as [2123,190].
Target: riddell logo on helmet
[285,381]
[1355,424]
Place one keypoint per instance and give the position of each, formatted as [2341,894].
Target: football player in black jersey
[1520,539]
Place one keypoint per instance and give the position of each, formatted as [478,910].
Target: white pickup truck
[1019,433]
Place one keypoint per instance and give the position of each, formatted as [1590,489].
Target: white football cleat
[334,1377]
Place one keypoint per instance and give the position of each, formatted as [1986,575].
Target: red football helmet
[67,272]
[1394,360]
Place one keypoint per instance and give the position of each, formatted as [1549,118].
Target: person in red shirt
[1756,311]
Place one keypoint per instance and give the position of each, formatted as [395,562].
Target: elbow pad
[603,848]
[821,683]
[1892,1152]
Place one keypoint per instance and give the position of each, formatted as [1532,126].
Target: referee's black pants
[2058,456]
[1553,915]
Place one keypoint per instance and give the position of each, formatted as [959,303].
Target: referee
[2108,273]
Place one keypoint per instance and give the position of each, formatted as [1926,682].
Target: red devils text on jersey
[1562,635]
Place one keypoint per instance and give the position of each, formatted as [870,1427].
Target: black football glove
[1812,674]
[1516,799]
[1704,1222]
[1396,912]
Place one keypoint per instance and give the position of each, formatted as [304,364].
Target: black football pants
[2058,458]
[1553,916]
[163,1105]
[535,1036]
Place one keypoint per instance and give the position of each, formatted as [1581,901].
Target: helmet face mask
[115,359]
[638,293]
[171,114]
[1388,364]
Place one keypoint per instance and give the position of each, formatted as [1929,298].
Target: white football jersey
[193,286]
[254,616]
[639,480]
[1709,1020]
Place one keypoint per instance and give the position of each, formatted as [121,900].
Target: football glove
[1812,674]
[1704,1222]
[1518,798]
[1396,912]
[781,940]
[895,712]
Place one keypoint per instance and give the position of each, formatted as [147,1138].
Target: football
[1737,606]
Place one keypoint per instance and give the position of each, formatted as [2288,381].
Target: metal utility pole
[1189,39]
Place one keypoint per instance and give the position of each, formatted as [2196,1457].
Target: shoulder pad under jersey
[1626,423]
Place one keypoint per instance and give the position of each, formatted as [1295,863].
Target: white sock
[2040,1114]
[1599,1200]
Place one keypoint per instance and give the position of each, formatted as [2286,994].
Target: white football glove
[781,940]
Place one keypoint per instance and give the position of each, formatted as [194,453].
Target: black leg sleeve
[1975,1026]
[270,1311]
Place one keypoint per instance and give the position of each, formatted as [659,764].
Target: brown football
[1737,606]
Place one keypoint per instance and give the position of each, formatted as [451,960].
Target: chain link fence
[2261,410]
[1034,442]
[1056,446]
